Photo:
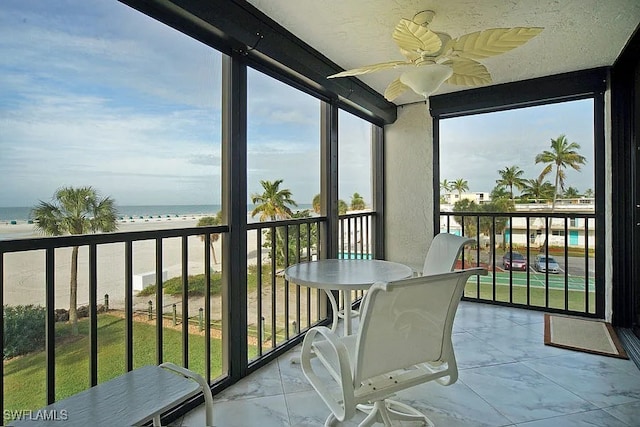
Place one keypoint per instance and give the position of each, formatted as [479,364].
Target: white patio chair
[444,252]
[404,339]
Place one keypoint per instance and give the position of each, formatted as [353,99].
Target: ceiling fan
[434,57]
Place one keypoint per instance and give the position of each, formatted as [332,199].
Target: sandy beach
[24,272]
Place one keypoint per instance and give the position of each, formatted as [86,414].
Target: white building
[578,231]
[479,197]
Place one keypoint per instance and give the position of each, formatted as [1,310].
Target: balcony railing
[185,326]
[108,265]
[575,287]
[151,327]
[278,310]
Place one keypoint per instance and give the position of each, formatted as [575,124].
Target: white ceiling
[578,34]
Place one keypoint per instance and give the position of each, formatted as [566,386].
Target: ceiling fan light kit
[437,58]
[426,80]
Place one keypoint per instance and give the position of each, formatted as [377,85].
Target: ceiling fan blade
[410,55]
[413,37]
[491,42]
[467,72]
[395,89]
[369,69]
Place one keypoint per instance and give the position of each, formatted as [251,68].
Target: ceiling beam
[236,27]
[523,93]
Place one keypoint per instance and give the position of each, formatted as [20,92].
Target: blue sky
[95,93]
[476,147]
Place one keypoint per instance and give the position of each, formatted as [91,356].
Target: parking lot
[573,271]
[556,281]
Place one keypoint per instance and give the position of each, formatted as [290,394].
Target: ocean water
[23,214]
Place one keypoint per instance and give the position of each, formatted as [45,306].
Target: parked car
[542,261]
[515,260]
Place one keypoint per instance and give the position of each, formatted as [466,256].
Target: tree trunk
[555,190]
[213,252]
[73,294]
[492,248]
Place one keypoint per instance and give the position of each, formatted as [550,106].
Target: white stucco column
[608,267]
[409,185]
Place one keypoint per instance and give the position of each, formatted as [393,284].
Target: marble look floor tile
[269,411]
[594,378]
[625,365]
[520,342]
[545,386]
[264,382]
[472,352]
[306,409]
[452,406]
[628,412]
[520,316]
[293,379]
[597,418]
[522,394]
[470,319]
[178,422]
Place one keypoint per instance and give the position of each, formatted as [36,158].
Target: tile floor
[508,377]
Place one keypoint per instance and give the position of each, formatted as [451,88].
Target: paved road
[577,266]
[576,275]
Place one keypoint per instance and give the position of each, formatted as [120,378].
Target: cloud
[96,93]
[52,141]
[476,147]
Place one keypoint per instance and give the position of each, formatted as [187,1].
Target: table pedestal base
[341,314]
[383,411]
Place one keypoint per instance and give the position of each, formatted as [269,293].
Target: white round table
[345,275]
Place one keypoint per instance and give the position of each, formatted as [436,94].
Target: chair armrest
[344,408]
[206,391]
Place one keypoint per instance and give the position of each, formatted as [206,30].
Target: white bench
[130,399]
[144,280]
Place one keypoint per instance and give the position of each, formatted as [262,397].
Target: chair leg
[334,307]
[402,411]
[330,421]
[385,411]
[373,415]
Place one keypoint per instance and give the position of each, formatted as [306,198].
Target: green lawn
[25,377]
[537,298]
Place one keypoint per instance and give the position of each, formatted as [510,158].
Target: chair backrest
[444,251]
[407,322]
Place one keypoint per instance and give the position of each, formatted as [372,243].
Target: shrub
[24,329]
[195,287]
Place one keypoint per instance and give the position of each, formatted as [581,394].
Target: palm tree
[490,225]
[571,193]
[588,193]
[468,222]
[75,211]
[211,221]
[445,185]
[537,189]
[316,203]
[459,185]
[357,202]
[272,203]
[563,153]
[342,207]
[510,177]
[499,192]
